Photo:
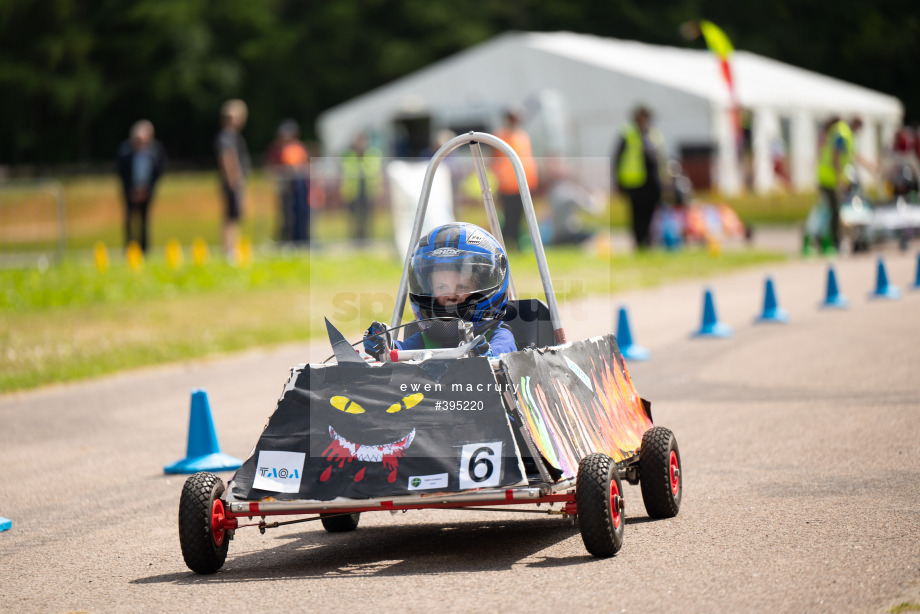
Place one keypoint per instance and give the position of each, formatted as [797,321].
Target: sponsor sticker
[446,252]
[581,374]
[426,482]
[279,471]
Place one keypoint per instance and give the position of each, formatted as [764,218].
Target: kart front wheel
[340,523]
[599,501]
[660,473]
[201,511]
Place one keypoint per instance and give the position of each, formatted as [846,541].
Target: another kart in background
[863,224]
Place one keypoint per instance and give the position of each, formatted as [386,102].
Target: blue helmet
[457,271]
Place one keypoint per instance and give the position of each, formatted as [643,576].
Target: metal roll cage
[474,139]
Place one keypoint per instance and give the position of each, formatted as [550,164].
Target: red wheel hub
[675,473]
[616,504]
[218,518]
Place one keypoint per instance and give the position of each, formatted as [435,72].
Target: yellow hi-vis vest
[353,167]
[631,171]
[827,174]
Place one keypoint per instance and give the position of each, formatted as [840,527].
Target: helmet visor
[451,275]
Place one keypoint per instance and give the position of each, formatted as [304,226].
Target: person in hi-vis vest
[637,163]
[837,152]
[361,183]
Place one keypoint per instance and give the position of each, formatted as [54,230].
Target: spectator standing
[361,183]
[637,164]
[838,151]
[903,141]
[509,195]
[140,161]
[234,164]
[902,167]
[289,161]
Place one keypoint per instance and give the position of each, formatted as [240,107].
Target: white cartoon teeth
[373,453]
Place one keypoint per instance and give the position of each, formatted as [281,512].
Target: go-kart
[554,423]
[862,223]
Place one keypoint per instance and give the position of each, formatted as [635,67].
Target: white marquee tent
[580,89]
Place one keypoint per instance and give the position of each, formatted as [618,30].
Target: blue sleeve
[502,341]
[414,342]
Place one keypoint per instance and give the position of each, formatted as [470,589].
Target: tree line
[75,74]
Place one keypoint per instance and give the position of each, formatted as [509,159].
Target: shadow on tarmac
[404,550]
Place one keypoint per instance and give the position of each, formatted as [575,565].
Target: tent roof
[760,81]
[512,61]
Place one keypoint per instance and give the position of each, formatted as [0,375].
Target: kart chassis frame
[227,513]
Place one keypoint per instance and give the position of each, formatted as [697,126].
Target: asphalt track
[800,445]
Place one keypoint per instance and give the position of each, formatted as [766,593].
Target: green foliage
[75,75]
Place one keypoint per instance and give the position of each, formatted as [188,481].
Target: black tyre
[660,473]
[341,523]
[599,500]
[201,508]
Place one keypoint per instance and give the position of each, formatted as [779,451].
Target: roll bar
[474,139]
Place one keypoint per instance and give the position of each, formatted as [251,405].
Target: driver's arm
[414,342]
[502,341]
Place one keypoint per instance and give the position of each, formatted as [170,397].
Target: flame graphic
[566,428]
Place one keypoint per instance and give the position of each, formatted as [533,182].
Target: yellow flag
[716,39]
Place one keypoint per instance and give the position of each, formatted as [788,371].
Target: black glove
[481,347]
[377,340]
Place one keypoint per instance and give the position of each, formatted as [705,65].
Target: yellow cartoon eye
[406,403]
[347,405]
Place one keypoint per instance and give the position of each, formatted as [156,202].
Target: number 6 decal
[480,465]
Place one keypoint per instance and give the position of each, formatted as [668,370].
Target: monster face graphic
[342,450]
[395,429]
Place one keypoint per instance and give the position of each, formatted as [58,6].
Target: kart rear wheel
[660,473]
[201,509]
[600,504]
[340,523]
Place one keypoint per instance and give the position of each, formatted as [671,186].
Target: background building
[579,89]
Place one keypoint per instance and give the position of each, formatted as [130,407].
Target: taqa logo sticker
[475,239]
[446,252]
[279,471]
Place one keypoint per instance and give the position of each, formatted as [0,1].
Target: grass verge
[70,321]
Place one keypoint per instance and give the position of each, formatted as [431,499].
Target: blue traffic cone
[832,298]
[917,280]
[628,349]
[203,452]
[882,288]
[5,523]
[772,312]
[711,326]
